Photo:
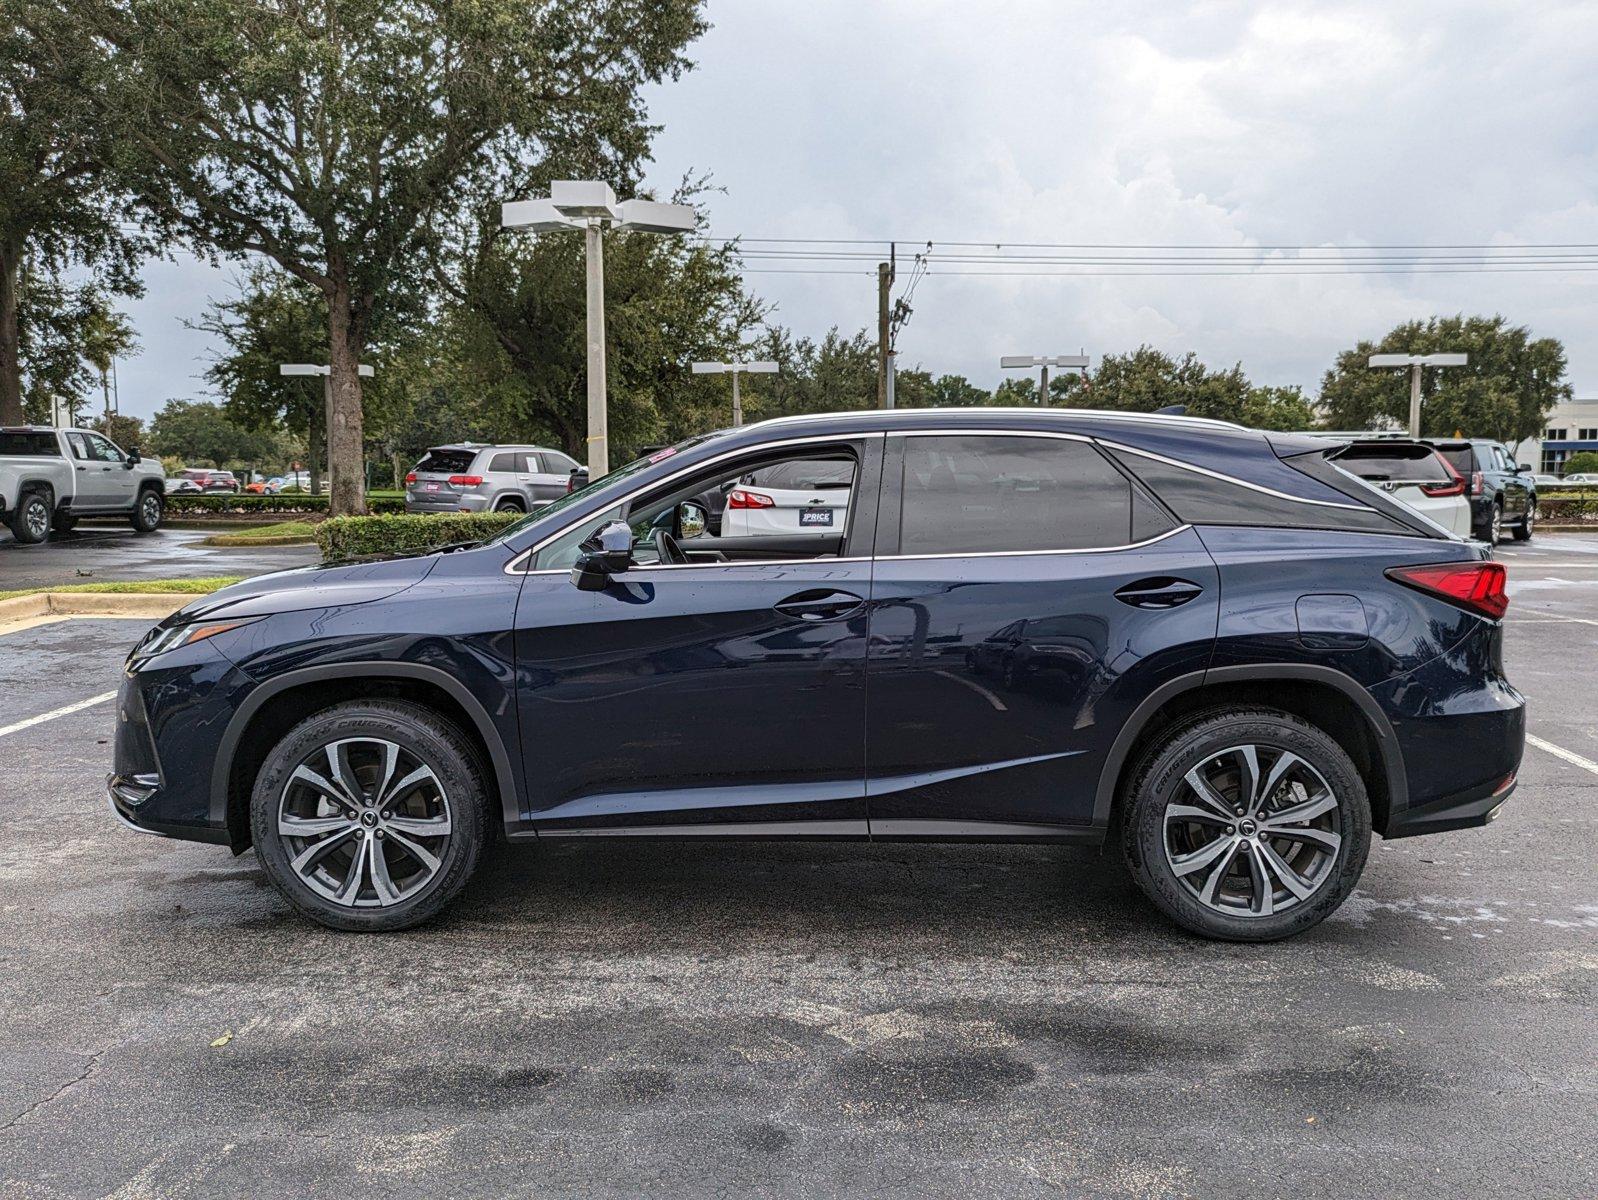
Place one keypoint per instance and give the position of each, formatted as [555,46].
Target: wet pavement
[110,552]
[621,1019]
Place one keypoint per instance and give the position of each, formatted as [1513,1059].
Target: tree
[836,374]
[125,431]
[1582,462]
[201,432]
[1505,391]
[107,336]
[344,140]
[274,319]
[57,212]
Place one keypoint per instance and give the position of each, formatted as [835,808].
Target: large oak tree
[339,137]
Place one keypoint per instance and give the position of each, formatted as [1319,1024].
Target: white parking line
[1538,615]
[66,711]
[1570,756]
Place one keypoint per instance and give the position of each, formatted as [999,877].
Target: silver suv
[474,478]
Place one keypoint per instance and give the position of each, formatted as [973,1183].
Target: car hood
[311,587]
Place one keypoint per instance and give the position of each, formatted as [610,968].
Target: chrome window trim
[1159,537]
[1225,478]
[512,568]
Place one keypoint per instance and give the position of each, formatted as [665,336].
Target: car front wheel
[1523,531]
[1246,826]
[147,512]
[370,815]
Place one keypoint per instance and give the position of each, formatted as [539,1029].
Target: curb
[99,604]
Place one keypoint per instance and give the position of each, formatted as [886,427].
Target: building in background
[1569,428]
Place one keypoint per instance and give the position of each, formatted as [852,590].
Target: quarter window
[974,495]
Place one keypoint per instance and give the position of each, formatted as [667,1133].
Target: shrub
[1582,462]
[1567,508]
[342,538]
[245,503]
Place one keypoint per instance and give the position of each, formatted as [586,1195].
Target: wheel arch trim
[1388,749]
[499,759]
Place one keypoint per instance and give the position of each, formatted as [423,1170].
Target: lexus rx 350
[1205,647]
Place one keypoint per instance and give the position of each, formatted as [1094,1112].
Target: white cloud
[1213,122]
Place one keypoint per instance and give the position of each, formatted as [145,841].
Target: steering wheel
[666,548]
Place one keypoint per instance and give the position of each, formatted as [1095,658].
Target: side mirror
[609,552]
[692,518]
[133,455]
[1522,468]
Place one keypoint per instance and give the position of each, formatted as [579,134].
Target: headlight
[159,640]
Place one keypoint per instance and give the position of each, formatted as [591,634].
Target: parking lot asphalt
[620,1019]
[94,553]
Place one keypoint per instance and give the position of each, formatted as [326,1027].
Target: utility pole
[885,275]
[1416,364]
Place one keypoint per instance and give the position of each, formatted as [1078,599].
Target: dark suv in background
[1502,492]
[1206,647]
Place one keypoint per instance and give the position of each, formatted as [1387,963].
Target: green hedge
[1561,507]
[352,537]
[198,504]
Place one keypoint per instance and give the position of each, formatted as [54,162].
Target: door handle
[1160,591]
[819,604]
[83,468]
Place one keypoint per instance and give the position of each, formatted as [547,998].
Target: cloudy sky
[1211,124]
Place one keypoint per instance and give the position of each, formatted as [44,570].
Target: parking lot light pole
[326,373]
[1078,362]
[735,369]
[1416,364]
[591,206]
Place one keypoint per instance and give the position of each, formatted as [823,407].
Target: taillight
[1475,586]
[411,478]
[1475,483]
[740,498]
[1454,487]
[465,480]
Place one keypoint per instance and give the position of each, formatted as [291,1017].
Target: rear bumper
[1461,730]
[440,503]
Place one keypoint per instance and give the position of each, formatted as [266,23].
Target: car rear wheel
[1246,826]
[30,524]
[370,815]
[510,506]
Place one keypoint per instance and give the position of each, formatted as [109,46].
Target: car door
[119,481]
[91,487]
[710,697]
[1027,595]
[547,475]
[1517,493]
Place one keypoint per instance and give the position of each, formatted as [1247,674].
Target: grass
[279,534]
[133,586]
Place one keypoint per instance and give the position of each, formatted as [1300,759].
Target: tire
[1323,852]
[335,846]
[1495,525]
[1523,531]
[148,510]
[510,506]
[30,523]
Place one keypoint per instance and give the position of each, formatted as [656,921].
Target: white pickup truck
[51,477]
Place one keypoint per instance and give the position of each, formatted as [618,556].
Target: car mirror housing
[1522,468]
[691,519]
[609,552]
[133,455]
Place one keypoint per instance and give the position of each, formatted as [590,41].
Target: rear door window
[28,444]
[505,463]
[968,494]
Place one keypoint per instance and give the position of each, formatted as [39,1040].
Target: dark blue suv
[1203,645]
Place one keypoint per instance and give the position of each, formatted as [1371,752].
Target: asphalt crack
[88,1070]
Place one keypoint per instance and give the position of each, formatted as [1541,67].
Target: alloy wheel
[365,821]
[150,508]
[1497,528]
[37,516]
[1252,831]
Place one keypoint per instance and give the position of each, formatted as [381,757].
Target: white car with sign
[799,496]
[1415,473]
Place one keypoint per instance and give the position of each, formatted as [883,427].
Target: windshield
[620,475]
